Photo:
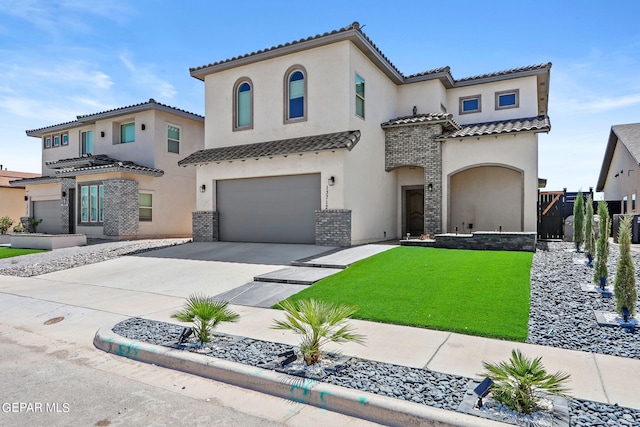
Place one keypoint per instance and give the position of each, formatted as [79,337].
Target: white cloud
[144,76]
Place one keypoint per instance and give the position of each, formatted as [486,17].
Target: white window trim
[364,103]
[179,137]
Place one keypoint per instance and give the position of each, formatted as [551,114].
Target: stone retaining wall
[488,240]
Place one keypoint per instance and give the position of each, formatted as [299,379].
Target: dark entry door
[414,210]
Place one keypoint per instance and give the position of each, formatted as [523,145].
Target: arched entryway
[486,198]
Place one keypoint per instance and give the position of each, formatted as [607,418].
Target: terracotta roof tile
[531,124]
[506,72]
[316,143]
[97,164]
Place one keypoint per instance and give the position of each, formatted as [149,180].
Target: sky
[64,58]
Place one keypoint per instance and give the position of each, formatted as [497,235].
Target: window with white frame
[127,133]
[633,202]
[295,94]
[145,204]
[470,104]
[91,204]
[65,139]
[243,104]
[47,142]
[86,142]
[507,99]
[56,140]
[625,204]
[359,96]
[173,139]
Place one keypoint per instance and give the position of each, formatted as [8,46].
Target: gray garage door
[50,213]
[274,209]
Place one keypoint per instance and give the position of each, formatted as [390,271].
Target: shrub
[578,220]
[624,285]
[33,224]
[318,322]
[521,383]
[602,244]
[589,238]
[205,313]
[5,223]
[18,229]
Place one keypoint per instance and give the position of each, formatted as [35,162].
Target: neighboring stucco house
[114,174]
[12,197]
[620,172]
[323,140]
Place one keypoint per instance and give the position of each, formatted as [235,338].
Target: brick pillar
[205,226]
[65,214]
[333,227]
[121,209]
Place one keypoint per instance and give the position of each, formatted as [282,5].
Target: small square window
[47,142]
[471,104]
[65,139]
[127,133]
[507,99]
[56,141]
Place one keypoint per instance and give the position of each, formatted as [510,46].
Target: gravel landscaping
[561,315]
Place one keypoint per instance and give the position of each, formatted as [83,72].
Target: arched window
[295,94]
[243,104]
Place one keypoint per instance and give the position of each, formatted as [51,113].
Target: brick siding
[205,226]
[333,227]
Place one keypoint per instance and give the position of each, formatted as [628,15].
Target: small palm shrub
[602,245]
[578,220]
[5,223]
[205,313]
[318,323]
[589,238]
[624,285]
[521,383]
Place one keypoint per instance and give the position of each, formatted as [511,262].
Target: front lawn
[6,252]
[484,293]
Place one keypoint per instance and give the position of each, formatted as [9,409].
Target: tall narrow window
[47,142]
[173,139]
[127,133]
[359,96]
[65,139]
[243,105]
[145,203]
[295,96]
[633,202]
[84,204]
[86,142]
[625,204]
[56,141]
[92,204]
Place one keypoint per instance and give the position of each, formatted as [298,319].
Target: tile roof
[445,118]
[306,144]
[100,163]
[531,124]
[7,176]
[36,180]
[629,136]
[89,118]
[354,33]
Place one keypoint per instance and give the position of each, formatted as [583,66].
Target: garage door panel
[272,209]
[49,212]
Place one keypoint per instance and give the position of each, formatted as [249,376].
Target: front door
[72,211]
[414,211]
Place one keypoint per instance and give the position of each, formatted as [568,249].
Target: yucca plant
[521,383]
[318,323]
[624,285]
[205,313]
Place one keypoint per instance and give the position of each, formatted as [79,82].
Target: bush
[5,223]
[205,313]
[589,239]
[318,322]
[602,245]
[18,229]
[625,282]
[578,220]
[521,383]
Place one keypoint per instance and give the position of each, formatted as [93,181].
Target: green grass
[483,293]
[6,252]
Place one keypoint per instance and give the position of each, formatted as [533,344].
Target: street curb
[379,409]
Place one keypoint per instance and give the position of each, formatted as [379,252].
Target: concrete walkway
[146,286]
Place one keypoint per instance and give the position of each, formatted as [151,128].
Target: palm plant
[318,323]
[205,313]
[624,285]
[521,383]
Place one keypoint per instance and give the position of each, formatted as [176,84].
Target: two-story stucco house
[114,174]
[323,140]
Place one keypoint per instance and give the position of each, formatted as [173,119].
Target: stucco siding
[625,184]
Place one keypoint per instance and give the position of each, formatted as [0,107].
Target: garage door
[274,209]
[49,212]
